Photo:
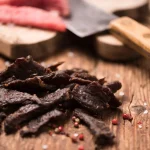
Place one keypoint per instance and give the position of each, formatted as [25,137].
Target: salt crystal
[121,93]
[145,112]
[76,135]
[145,104]
[140,126]
[7,63]
[43,64]
[70,54]
[44,147]
[117,75]
[53,135]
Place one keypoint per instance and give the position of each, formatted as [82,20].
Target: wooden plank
[136,86]
[135,78]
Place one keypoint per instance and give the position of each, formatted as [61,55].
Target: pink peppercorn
[81,137]
[60,128]
[76,125]
[80,147]
[115,122]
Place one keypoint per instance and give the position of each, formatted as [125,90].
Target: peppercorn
[73,118]
[80,147]
[81,137]
[127,117]
[56,130]
[60,128]
[77,120]
[74,139]
[115,122]
[76,125]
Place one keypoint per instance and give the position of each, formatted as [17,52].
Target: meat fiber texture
[36,13]
[42,94]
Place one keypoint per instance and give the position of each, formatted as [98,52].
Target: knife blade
[86,19]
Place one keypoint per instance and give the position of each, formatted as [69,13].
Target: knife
[86,20]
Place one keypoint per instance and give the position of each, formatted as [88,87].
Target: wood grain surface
[135,77]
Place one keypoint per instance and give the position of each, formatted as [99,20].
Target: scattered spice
[60,128]
[56,130]
[77,120]
[76,135]
[140,126]
[81,137]
[44,147]
[121,93]
[74,139]
[70,54]
[117,75]
[73,118]
[145,104]
[139,122]
[115,122]
[145,112]
[81,147]
[127,117]
[76,125]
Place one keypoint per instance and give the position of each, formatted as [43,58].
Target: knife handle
[133,34]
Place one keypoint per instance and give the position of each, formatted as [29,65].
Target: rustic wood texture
[17,41]
[135,77]
[133,34]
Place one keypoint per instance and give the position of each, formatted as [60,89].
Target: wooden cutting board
[17,41]
[136,84]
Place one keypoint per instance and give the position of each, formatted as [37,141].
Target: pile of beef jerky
[32,96]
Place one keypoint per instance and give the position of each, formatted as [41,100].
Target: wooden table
[135,77]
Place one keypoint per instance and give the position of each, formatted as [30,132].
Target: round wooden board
[17,41]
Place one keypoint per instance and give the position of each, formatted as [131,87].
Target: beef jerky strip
[102,134]
[29,111]
[2,117]
[9,97]
[30,85]
[23,68]
[34,125]
[114,86]
[50,82]
[25,113]
[56,97]
[93,97]
[84,75]
[58,78]
[54,67]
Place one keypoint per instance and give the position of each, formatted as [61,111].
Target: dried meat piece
[102,134]
[34,125]
[93,97]
[30,16]
[23,68]
[79,81]
[84,75]
[2,117]
[75,70]
[30,85]
[29,111]
[24,113]
[114,86]
[54,67]
[58,78]
[56,97]
[12,97]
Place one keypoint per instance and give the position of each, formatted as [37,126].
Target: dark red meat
[29,16]
[60,5]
